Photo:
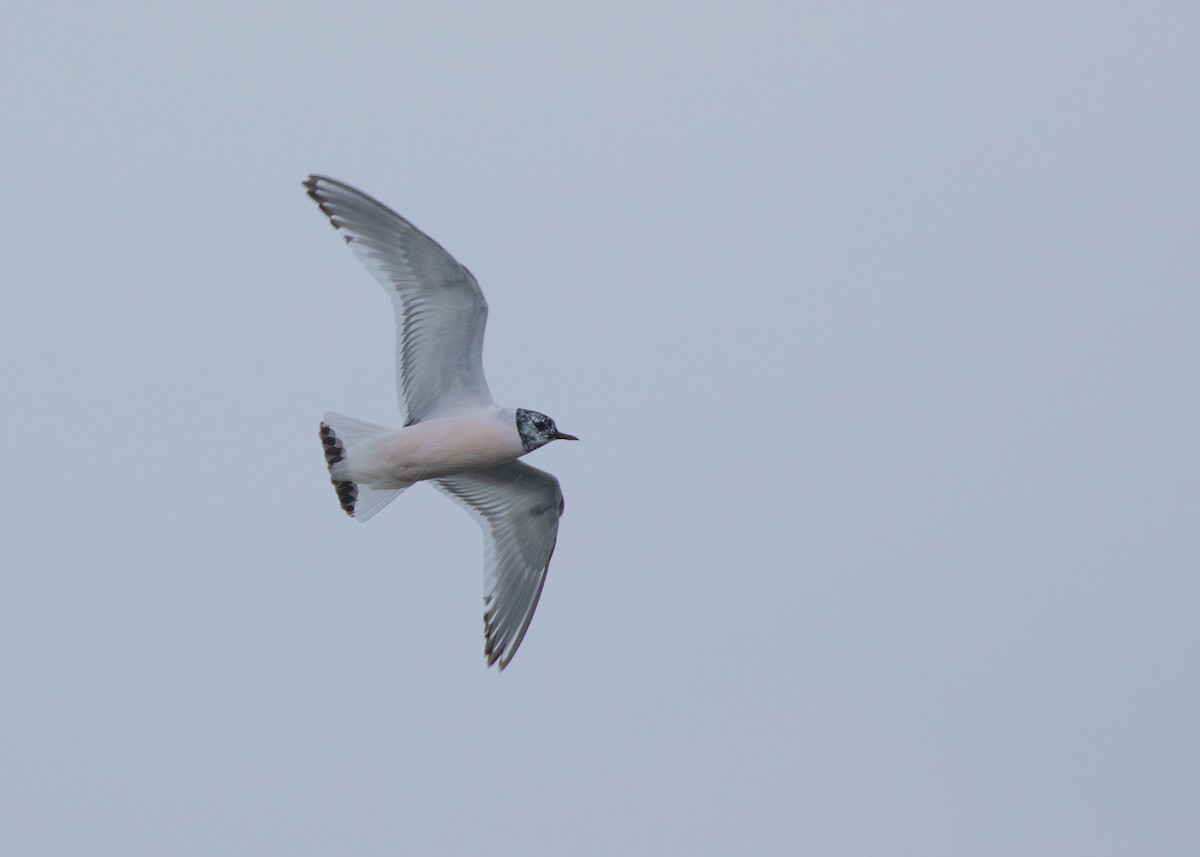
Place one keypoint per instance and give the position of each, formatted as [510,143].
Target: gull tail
[340,434]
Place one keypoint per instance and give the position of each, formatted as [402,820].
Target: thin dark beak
[560,436]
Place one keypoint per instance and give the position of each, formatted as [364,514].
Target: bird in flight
[455,436]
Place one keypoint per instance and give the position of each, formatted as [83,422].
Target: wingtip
[492,651]
[499,655]
[314,180]
[313,190]
[310,188]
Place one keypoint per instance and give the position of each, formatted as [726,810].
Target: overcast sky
[880,324]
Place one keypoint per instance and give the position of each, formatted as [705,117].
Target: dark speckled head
[538,430]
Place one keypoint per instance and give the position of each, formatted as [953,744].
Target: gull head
[538,430]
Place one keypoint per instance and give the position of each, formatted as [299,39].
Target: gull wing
[440,309]
[518,508]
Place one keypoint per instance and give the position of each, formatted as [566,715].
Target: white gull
[455,436]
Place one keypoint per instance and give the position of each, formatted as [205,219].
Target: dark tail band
[334,452]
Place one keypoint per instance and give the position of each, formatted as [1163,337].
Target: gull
[455,436]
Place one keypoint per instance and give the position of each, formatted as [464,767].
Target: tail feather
[335,451]
[339,435]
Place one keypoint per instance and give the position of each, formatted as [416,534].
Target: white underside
[461,443]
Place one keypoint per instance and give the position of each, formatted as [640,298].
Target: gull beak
[560,436]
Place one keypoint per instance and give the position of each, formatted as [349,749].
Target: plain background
[879,323]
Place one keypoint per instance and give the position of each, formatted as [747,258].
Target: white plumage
[455,436]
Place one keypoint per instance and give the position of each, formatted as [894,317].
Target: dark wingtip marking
[314,193]
[310,185]
[490,652]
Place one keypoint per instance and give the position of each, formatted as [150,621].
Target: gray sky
[879,326]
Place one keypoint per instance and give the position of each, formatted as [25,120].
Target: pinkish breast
[451,445]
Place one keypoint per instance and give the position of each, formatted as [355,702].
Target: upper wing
[518,507]
[440,310]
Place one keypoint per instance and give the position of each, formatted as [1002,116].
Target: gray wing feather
[518,508]
[440,310]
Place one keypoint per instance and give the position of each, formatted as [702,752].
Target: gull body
[444,447]
[455,436]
